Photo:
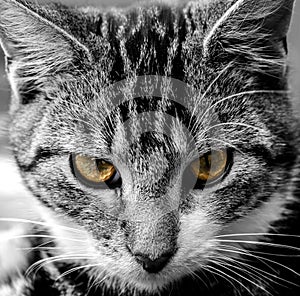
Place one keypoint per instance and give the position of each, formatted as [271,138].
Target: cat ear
[34,46]
[252,32]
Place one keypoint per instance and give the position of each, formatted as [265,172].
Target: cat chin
[134,280]
[155,283]
[147,283]
[150,286]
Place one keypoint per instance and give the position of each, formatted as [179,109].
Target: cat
[161,143]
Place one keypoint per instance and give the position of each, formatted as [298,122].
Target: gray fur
[65,67]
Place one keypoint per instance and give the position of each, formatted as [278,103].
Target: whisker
[241,252]
[255,274]
[42,262]
[227,277]
[209,88]
[228,144]
[76,269]
[269,276]
[92,282]
[26,221]
[29,250]
[194,275]
[42,246]
[237,95]
[241,276]
[98,282]
[46,236]
[260,244]
[257,234]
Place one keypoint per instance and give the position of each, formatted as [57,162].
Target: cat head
[155,128]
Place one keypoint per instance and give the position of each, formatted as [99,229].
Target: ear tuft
[253,30]
[35,46]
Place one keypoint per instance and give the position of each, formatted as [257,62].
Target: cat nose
[153,266]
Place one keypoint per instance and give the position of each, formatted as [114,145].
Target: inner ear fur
[34,45]
[252,32]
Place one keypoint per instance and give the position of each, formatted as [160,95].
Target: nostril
[153,266]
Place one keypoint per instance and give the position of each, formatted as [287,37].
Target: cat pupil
[207,161]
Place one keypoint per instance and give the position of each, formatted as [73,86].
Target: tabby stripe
[41,155]
[172,108]
[287,158]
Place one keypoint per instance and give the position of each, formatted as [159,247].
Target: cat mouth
[153,282]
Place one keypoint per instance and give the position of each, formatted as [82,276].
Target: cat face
[157,129]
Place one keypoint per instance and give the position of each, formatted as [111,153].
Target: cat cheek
[196,233]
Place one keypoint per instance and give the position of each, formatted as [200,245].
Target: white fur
[15,289]
[13,258]
[252,227]
[71,239]
[259,221]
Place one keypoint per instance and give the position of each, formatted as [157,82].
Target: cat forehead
[150,14]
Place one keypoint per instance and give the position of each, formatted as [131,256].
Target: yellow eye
[94,171]
[211,166]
